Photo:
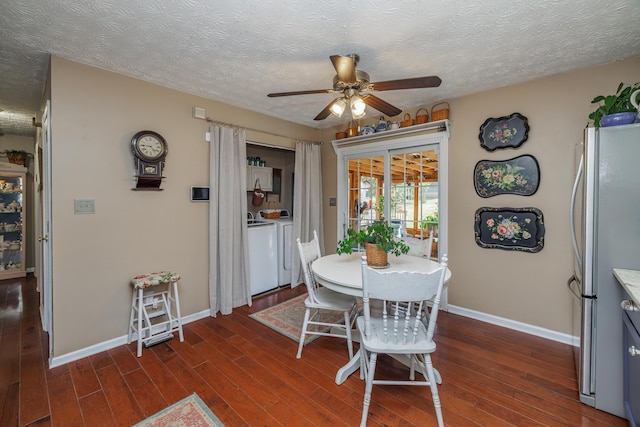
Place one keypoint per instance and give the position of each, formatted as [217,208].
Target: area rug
[189,412]
[288,316]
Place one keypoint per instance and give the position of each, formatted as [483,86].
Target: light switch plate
[332,201]
[84,206]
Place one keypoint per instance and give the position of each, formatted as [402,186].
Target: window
[402,178]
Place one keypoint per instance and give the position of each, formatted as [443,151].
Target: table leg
[348,369]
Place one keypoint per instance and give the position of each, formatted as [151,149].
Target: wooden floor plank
[123,358]
[251,412]
[95,411]
[34,400]
[124,405]
[65,407]
[170,388]
[84,377]
[145,392]
[9,359]
[9,409]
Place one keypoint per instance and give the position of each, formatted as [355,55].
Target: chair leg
[434,388]
[364,367]
[305,324]
[347,326]
[178,314]
[140,308]
[368,388]
[131,317]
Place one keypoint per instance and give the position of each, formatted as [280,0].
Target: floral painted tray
[504,132]
[513,229]
[520,175]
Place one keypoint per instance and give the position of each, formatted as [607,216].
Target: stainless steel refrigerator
[605,219]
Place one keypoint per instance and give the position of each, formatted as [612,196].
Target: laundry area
[270,223]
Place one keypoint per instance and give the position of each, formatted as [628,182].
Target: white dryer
[285,245]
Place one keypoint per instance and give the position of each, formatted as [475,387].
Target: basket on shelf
[406,121]
[271,213]
[422,118]
[440,114]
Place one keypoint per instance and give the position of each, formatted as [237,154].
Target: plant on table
[378,233]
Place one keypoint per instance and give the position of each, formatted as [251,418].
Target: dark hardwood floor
[249,376]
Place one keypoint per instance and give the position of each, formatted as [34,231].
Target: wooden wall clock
[149,151]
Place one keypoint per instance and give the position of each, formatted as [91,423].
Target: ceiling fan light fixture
[357,107]
[338,107]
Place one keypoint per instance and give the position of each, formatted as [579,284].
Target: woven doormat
[189,412]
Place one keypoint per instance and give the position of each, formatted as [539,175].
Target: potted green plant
[614,109]
[378,240]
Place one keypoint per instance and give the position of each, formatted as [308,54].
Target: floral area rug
[288,316]
[189,412]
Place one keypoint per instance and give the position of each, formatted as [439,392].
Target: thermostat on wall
[199,194]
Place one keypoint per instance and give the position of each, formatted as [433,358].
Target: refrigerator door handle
[572,213]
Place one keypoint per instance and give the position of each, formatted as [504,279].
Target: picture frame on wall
[504,132]
[512,229]
[519,175]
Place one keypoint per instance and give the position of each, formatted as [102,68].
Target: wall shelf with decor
[12,214]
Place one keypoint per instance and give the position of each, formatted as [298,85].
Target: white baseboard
[112,343]
[488,318]
[515,325]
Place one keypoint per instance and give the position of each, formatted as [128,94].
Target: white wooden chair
[321,300]
[419,247]
[397,330]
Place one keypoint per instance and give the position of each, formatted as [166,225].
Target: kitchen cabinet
[631,366]
[630,282]
[12,214]
[263,174]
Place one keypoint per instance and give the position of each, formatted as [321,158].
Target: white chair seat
[327,299]
[378,343]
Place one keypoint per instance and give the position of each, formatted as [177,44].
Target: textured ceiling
[237,52]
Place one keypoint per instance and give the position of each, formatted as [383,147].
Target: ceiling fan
[351,82]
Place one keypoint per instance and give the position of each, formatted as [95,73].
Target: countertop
[630,281]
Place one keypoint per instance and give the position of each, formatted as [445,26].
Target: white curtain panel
[228,256]
[307,203]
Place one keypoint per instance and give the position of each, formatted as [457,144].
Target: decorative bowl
[617,119]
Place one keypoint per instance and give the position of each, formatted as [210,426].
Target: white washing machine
[263,243]
[285,245]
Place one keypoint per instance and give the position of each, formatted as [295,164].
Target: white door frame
[44,233]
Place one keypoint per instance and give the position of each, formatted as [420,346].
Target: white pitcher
[634,101]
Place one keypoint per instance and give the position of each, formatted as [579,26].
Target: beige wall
[94,114]
[529,288]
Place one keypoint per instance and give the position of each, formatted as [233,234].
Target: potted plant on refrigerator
[616,109]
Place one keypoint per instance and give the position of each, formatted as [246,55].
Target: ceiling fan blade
[300,92]
[417,82]
[380,105]
[325,113]
[345,67]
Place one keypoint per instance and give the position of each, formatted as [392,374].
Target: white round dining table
[343,273]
